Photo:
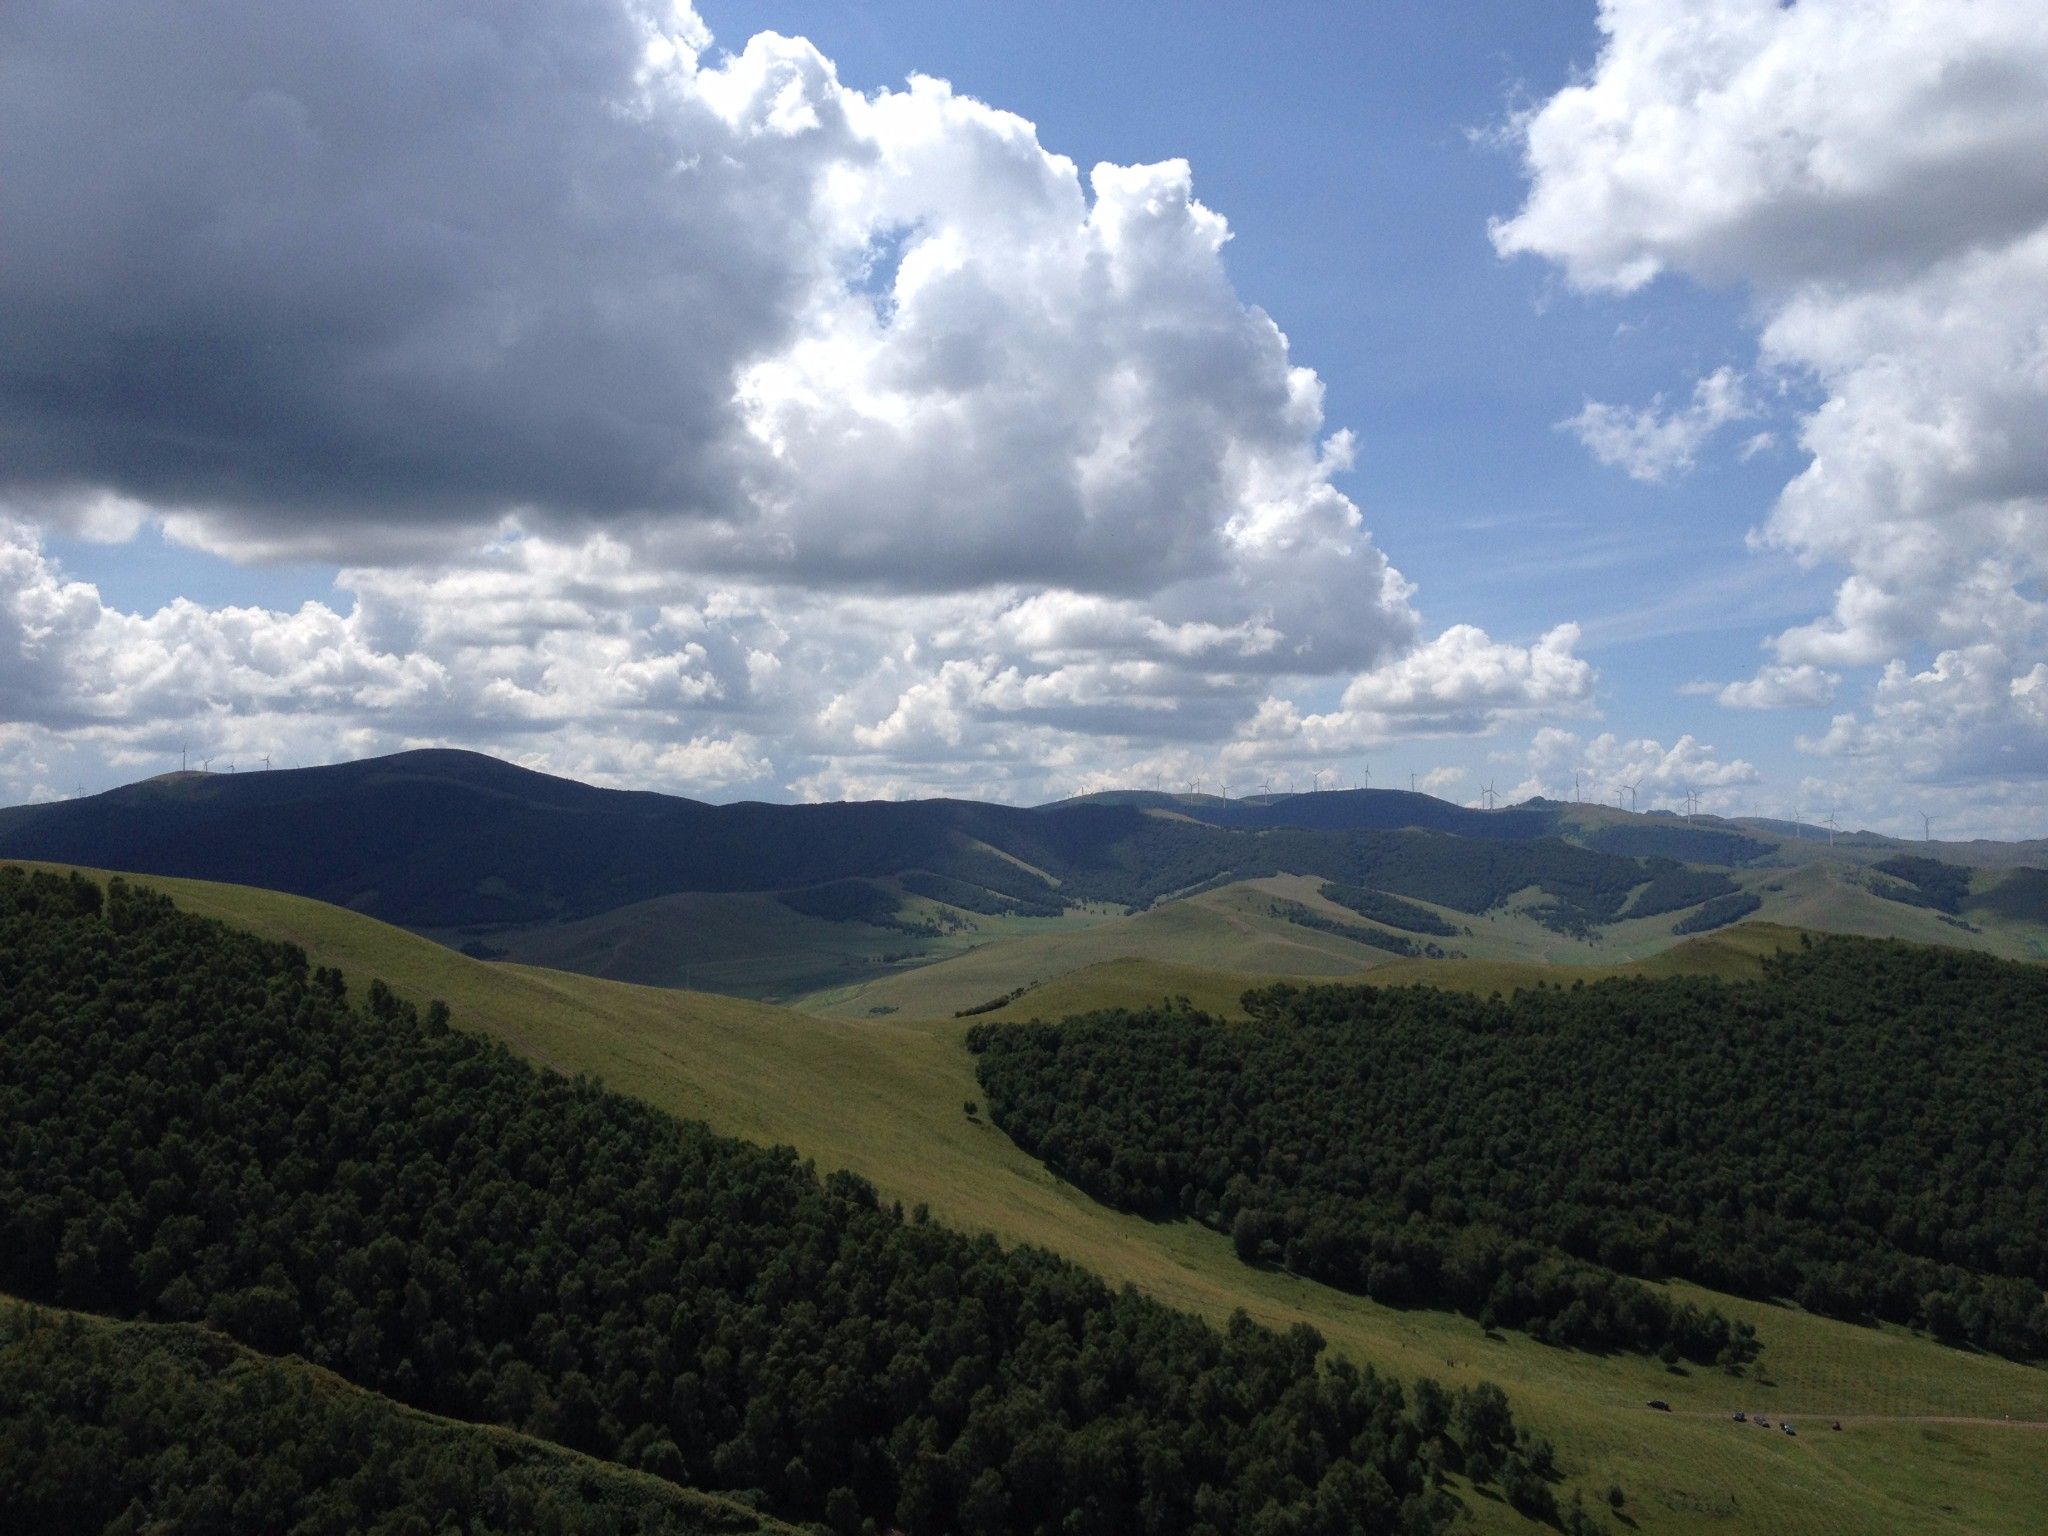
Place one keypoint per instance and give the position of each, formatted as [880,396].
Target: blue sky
[1362,157]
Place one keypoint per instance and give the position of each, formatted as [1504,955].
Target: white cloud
[1653,444]
[670,413]
[1877,177]
[1778,687]
[1461,683]
[576,658]
[1975,713]
[413,284]
[1661,775]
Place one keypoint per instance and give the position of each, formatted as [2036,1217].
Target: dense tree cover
[1691,844]
[1391,910]
[454,841]
[2022,894]
[845,901]
[1673,886]
[1378,938]
[196,1124]
[1719,912]
[1864,1129]
[1925,883]
[969,897]
[118,1429]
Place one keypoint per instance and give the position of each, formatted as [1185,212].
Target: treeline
[1304,916]
[1718,913]
[1862,1130]
[198,1125]
[1391,910]
[1928,883]
[1167,1113]
[135,1427]
[1685,841]
[1673,886]
[846,901]
[975,898]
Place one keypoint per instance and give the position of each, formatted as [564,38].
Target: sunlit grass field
[886,1097]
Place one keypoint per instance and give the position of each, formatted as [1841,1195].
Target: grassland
[1180,946]
[748,944]
[1935,1440]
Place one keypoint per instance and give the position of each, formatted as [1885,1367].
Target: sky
[845,400]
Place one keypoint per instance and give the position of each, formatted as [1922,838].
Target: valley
[1935,1438]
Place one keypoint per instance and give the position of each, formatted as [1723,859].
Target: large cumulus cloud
[1875,175]
[670,411]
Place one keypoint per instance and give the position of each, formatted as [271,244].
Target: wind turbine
[266,762]
[1575,786]
[1926,828]
[1367,771]
[1411,781]
[1832,828]
[1632,788]
[1488,793]
[206,765]
[181,759]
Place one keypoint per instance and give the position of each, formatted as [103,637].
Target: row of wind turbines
[206,763]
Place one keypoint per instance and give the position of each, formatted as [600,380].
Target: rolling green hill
[1934,1439]
[1245,929]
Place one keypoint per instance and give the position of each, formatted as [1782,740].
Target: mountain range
[509,862]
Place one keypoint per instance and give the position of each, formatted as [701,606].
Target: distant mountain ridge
[451,841]
[443,838]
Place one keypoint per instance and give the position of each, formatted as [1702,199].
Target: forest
[1862,1130]
[969,897]
[1925,883]
[125,1428]
[1391,910]
[201,1126]
[1304,916]
[1673,886]
[1718,913]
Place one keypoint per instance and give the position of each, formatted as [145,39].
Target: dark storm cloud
[382,258]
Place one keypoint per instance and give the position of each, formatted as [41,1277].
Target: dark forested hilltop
[445,839]
[1864,1130]
[461,846]
[199,1125]
[111,1427]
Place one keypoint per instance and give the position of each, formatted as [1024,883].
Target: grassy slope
[1232,929]
[885,1098]
[196,1351]
[748,944]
